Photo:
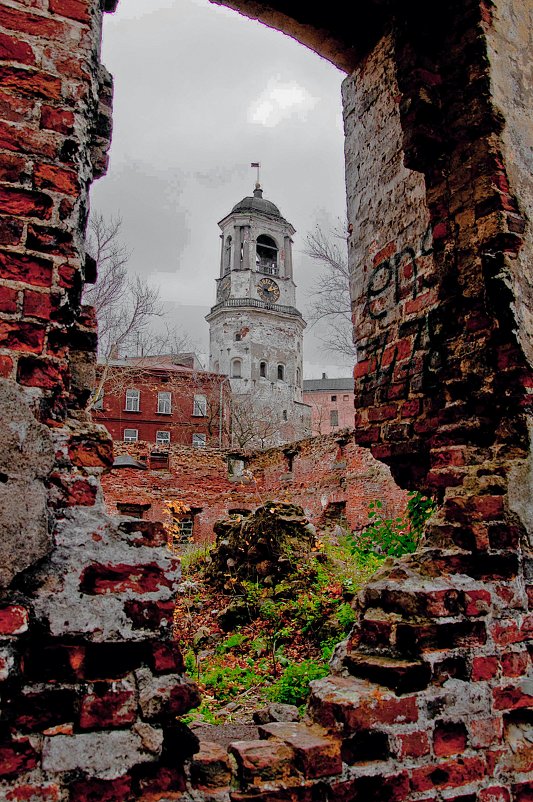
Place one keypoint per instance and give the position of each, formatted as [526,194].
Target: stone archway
[441,250]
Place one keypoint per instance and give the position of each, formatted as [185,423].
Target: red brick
[49,239]
[411,408]
[484,668]
[512,697]
[167,658]
[413,744]
[45,373]
[79,493]
[8,300]
[91,790]
[12,167]
[515,664]
[14,620]
[11,231]
[68,274]
[37,304]
[25,202]
[451,774]
[523,792]
[449,738]
[14,50]
[110,705]
[21,336]
[73,9]
[44,792]
[57,119]
[16,757]
[58,179]
[477,602]
[421,302]
[121,578]
[6,366]
[485,732]
[34,24]
[506,632]
[494,794]
[91,452]
[22,140]
[30,83]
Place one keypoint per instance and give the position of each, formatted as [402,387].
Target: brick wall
[430,697]
[90,681]
[319,474]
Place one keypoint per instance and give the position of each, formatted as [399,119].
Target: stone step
[316,754]
[345,705]
[401,676]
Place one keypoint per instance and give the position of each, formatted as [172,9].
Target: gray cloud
[193,84]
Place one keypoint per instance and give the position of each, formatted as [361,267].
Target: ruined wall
[430,699]
[90,681]
[325,472]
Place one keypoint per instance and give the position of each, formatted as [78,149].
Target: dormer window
[267,255]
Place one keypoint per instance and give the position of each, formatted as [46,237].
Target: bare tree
[126,307]
[331,303]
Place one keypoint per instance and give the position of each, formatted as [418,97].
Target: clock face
[223,289]
[268,290]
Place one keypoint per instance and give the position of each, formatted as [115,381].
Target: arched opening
[263,370]
[227,256]
[267,255]
[281,372]
[236,369]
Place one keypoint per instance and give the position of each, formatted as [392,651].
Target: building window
[333,397]
[334,417]
[298,377]
[131,435]
[198,440]
[164,403]
[99,403]
[263,370]
[184,528]
[281,372]
[132,510]
[345,397]
[216,367]
[200,405]
[284,414]
[132,400]
[236,369]
[238,336]
[267,255]
[162,438]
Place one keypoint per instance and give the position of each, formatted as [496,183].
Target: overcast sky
[200,93]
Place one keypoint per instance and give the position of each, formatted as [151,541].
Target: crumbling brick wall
[90,680]
[324,475]
[430,698]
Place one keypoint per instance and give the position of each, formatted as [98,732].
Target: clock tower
[256,331]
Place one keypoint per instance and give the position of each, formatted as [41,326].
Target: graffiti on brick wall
[396,356]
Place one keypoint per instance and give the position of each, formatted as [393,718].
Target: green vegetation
[392,537]
[264,638]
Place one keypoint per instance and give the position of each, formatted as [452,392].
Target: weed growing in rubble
[292,688]
[392,537]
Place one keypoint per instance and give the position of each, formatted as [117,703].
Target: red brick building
[162,403]
[331,402]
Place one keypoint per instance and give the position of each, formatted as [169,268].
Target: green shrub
[233,642]
[292,687]
[392,537]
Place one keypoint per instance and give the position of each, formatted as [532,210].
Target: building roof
[311,385]
[257,203]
